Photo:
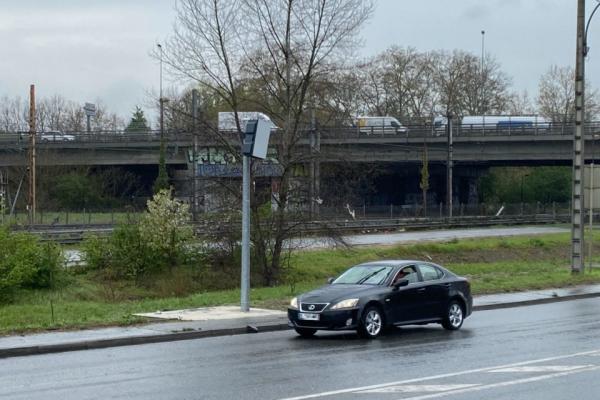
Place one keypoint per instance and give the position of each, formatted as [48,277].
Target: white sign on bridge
[90,109]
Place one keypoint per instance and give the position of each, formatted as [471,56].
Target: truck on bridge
[226,120]
[497,122]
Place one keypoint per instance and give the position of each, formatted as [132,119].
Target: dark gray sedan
[372,296]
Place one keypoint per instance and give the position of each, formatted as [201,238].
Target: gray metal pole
[195,155]
[449,168]
[88,124]
[577,220]
[591,210]
[245,278]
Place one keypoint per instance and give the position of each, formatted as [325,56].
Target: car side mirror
[330,280]
[399,284]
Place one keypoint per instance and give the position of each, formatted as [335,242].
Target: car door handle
[447,285]
[421,290]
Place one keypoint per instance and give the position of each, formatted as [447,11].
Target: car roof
[395,262]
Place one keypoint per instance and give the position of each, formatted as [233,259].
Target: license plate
[308,316]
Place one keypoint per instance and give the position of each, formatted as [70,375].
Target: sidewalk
[222,321]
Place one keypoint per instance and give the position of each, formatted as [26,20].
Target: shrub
[26,263]
[165,227]
[124,255]
[162,239]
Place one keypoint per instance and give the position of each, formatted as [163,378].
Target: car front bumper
[328,320]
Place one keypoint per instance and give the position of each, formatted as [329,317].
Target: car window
[364,275]
[409,273]
[430,273]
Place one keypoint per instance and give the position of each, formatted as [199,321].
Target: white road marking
[417,388]
[503,384]
[542,368]
[448,375]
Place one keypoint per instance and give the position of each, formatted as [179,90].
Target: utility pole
[577,217]
[31,201]
[449,166]
[195,154]
[161,101]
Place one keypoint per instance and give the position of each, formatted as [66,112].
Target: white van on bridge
[380,125]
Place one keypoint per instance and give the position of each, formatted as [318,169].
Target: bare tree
[372,86]
[408,78]
[465,89]
[521,104]
[338,97]
[450,73]
[556,98]
[283,45]
[12,115]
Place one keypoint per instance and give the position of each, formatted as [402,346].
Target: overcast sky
[87,50]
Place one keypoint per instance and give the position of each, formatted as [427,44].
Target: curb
[199,334]
[536,301]
[134,340]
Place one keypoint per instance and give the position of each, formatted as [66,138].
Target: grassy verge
[493,265]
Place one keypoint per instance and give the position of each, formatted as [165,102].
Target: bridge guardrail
[414,131]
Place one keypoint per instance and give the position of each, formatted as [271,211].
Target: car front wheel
[454,317]
[306,332]
[371,323]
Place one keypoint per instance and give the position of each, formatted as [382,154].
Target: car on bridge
[372,296]
[55,136]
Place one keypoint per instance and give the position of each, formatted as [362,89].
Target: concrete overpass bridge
[474,151]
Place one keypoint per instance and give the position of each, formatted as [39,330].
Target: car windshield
[364,275]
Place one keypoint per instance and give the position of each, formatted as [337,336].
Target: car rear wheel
[454,316]
[306,332]
[371,323]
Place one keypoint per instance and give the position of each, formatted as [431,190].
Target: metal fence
[440,210]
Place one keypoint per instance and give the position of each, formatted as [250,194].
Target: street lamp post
[160,98]
[482,78]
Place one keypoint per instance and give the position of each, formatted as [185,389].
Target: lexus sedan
[372,296]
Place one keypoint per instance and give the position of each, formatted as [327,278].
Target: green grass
[493,265]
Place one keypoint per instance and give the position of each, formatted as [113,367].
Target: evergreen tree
[162,180]
[138,122]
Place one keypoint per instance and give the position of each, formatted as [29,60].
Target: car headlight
[294,303]
[348,303]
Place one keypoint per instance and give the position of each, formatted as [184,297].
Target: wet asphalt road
[544,352]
